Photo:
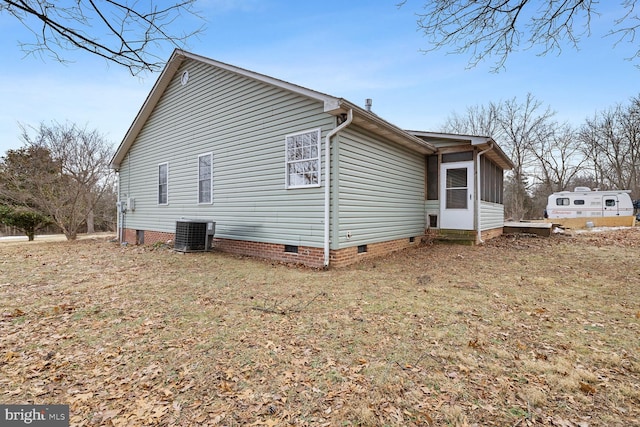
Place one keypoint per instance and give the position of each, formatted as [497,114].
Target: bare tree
[517,127]
[70,176]
[499,27]
[106,217]
[602,141]
[611,141]
[630,127]
[479,120]
[559,158]
[126,32]
[587,135]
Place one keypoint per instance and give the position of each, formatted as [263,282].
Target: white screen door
[456,188]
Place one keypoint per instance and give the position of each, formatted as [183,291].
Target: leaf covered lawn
[522,331]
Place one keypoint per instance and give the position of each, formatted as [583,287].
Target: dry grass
[520,331]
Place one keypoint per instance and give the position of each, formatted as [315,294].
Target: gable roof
[332,105]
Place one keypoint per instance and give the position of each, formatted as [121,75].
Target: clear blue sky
[350,49]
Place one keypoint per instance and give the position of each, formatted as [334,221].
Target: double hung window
[303,159]
[163,183]
[205,178]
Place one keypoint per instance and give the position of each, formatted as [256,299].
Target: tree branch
[128,33]
[497,28]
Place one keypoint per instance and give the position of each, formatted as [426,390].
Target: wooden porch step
[539,228]
[466,237]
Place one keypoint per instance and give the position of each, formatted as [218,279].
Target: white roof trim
[174,62]
[331,104]
[147,107]
[373,122]
[261,77]
[476,141]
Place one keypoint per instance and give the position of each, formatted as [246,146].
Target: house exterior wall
[308,256]
[377,187]
[381,191]
[243,123]
[350,255]
[491,215]
[432,207]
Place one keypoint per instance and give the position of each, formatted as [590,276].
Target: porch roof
[496,154]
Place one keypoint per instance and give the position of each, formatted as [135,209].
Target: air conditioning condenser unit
[194,235]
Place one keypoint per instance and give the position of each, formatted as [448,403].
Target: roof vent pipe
[368,103]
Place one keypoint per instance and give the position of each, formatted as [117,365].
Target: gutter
[327,182]
[478,191]
[388,130]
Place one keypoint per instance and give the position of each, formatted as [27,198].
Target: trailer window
[578,202]
[562,201]
[610,202]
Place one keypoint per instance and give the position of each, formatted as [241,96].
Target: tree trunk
[71,233]
[90,222]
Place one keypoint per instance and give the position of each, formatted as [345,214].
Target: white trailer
[595,207]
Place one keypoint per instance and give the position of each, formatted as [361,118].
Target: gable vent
[194,235]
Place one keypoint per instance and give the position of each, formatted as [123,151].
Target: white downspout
[478,192]
[327,182]
[118,202]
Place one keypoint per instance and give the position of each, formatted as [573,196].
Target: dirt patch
[522,331]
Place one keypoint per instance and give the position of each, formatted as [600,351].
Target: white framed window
[303,159]
[205,178]
[163,184]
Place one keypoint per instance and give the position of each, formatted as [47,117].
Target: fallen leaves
[136,337]
[13,314]
[587,388]
[10,355]
[475,344]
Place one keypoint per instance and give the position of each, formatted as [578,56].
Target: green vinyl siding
[491,215]
[381,190]
[243,123]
